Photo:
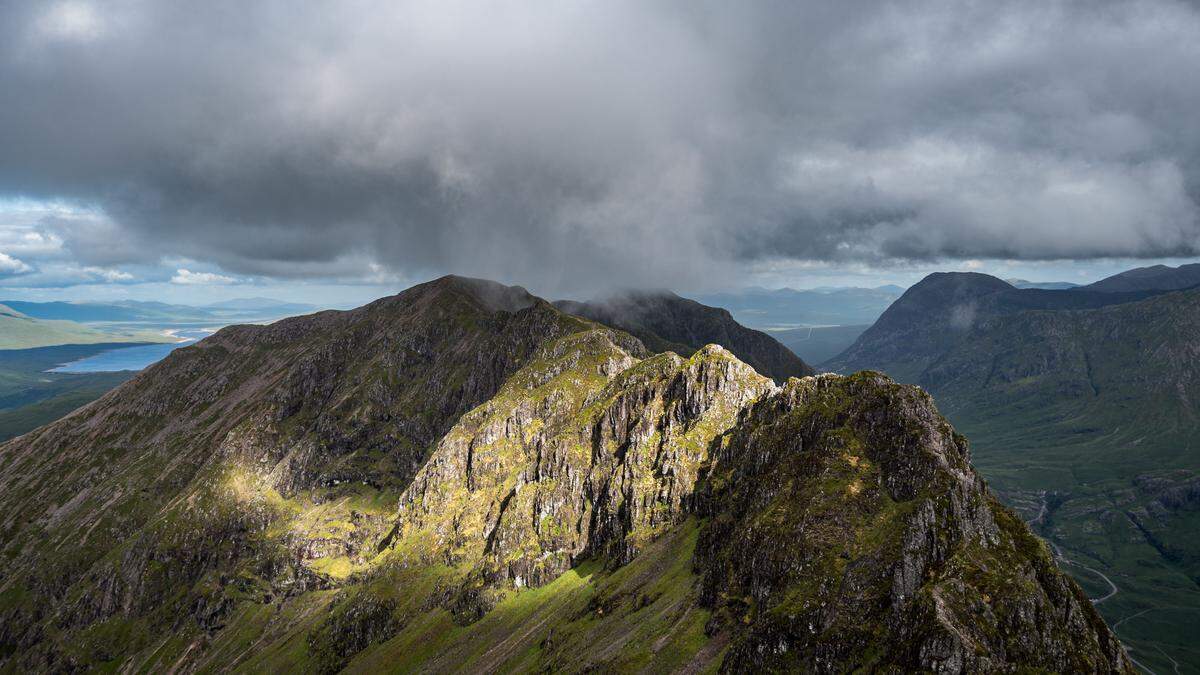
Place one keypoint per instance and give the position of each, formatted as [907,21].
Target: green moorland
[816,344]
[646,607]
[1090,478]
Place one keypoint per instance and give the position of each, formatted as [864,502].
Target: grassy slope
[641,616]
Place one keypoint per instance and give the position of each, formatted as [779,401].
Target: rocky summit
[463,477]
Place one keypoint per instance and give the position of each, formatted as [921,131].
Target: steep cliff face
[842,525]
[848,531]
[591,453]
[462,477]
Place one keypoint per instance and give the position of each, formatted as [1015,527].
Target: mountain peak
[665,321]
[492,295]
[973,281]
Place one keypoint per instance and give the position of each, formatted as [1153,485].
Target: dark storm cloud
[584,143]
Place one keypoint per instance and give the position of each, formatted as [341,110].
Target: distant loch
[131,358]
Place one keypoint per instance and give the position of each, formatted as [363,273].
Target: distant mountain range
[941,311]
[260,304]
[138,311]
[1047,285]
[463,477]
[1083,406]
[21,331]
[786,308]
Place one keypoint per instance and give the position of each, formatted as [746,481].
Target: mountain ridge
[385,485]
[939,311]
[1153,278]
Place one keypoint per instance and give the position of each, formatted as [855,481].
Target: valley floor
[1146,588]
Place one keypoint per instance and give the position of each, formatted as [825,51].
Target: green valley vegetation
[817,344]
[1082,408]
[463,477]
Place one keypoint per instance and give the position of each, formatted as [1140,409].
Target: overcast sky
[344,150]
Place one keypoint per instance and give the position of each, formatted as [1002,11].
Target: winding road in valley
[1112,590]
[1112,587]
[1058,554]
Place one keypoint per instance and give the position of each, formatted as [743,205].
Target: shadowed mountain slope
[940,311]
[666,322]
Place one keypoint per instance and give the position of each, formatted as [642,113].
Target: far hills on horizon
[786,308]
[773,309]
[19,330]
[817,324]
[149,311]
